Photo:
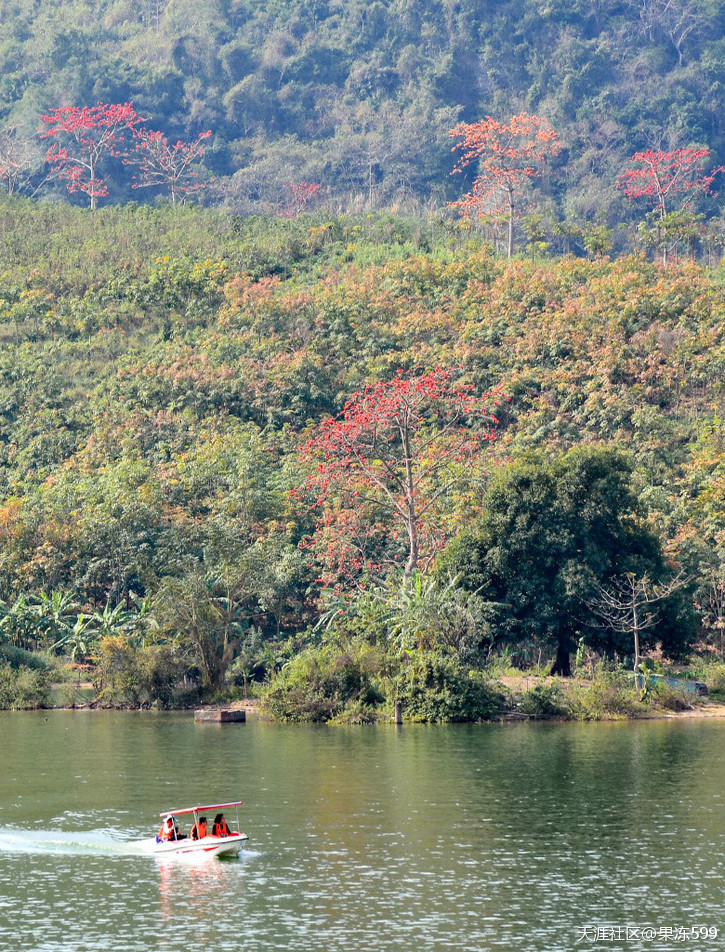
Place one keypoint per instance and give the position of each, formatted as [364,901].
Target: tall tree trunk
[93,186]
[562,662]
[510,250]
[412,520]
[412,563]
[635,627]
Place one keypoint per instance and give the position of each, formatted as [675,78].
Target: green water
[516,837]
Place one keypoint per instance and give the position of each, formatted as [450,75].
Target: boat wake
[59,842]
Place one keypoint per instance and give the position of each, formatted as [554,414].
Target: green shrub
[137,678]
[437,688]
[542,701]
[608,696]
[321,684]
[713,674]
[23,688]
[666,697]
[71,695]
[358,712]
[161,669]
[18,657]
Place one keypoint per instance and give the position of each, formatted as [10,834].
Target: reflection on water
[197,887]
[447,838]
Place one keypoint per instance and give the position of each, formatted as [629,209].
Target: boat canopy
[206,808]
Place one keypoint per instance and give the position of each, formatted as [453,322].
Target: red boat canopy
[202,809]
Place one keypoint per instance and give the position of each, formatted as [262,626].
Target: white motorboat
[179,845]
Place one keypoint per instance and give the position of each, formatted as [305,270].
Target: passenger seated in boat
[168,831]
[198,830]
[219,827]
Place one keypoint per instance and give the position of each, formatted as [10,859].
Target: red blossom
[383,467]
[659,175]
[83,138]
[509,154]
[299,196]
[174,167]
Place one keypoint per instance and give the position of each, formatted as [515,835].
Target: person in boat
[169,831]
[220,827]
[198,830]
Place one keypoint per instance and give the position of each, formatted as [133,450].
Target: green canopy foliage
[551,532]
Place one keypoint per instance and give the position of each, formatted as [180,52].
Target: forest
[347,460]
[358,99]
[356,354]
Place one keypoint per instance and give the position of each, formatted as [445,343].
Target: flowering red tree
[660,176]
[382,467]
[83,137]
[174,167]
[299,196]
[509,155]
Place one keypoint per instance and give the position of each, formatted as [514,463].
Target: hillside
[161,371]
[359,97]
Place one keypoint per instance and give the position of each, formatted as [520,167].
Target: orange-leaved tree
[382,468]
[509,155]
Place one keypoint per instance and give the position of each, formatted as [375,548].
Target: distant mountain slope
[359,95]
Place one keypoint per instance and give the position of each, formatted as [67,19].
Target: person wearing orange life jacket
[220,827]
[168,831]
[198,830]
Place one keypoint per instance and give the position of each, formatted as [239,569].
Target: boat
[206,846]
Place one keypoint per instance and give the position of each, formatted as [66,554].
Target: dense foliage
[359,97]
[163,370]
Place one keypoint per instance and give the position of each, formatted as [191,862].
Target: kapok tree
[300,197]
[83,139]
[382,468]
[173,167]
[669,181]
[509,155]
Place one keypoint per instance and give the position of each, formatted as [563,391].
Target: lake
[512,837]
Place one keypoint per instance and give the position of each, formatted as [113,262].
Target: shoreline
[703,711]
[516,686]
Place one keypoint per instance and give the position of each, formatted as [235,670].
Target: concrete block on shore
[220,716]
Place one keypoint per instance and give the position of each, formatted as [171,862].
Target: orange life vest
[198,831]
[220,829]
[167,832]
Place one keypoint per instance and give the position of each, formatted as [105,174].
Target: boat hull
[207,846]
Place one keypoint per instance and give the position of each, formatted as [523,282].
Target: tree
[676,19]
[384,465]
[509,155]
[20,160]
[625,605]
[551,530]
[173,167]
[299,197]
[714,607]
[83,139]
[200,611]
[660,176]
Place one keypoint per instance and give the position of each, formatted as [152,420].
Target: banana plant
[76,643]
[116,620]
[56,613]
